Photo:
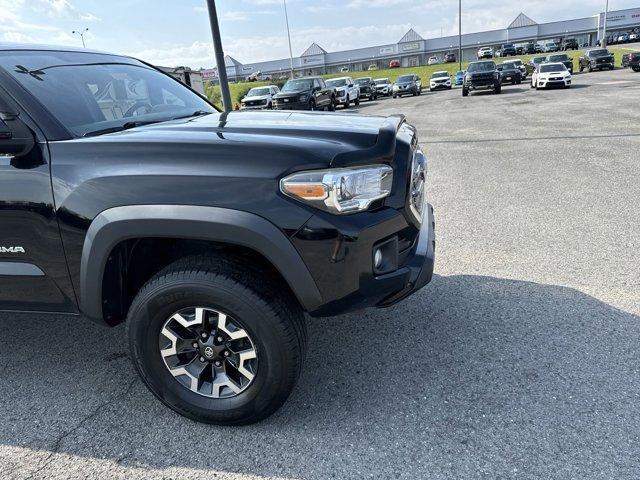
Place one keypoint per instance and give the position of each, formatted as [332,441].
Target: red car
[394,64]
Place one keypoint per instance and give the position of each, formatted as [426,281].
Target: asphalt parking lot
[520,360]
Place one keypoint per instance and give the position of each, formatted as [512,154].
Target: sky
[176,32]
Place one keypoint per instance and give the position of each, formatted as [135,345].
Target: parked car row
[623,37]
[555,69]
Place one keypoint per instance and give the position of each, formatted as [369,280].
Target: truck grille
[418,184]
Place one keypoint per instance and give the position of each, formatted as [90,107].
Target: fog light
[377,259]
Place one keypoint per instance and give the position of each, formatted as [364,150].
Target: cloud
[89,17]
[15,27]
[242,16]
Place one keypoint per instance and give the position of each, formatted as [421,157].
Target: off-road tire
[258,301]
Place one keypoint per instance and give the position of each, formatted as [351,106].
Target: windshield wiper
[119,128]
[197,113]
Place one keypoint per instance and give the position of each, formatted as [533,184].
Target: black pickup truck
[596,59]
[482,75]
[310,93]
[127,197]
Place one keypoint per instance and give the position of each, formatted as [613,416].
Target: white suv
[259,98]
[383,86]
[485,52]
[346,91]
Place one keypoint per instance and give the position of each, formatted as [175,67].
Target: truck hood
[279,137]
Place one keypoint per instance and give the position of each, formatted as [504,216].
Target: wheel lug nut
[202,359]
[218,363]
[219,339]
[195,344]
[203,334]
[226,353]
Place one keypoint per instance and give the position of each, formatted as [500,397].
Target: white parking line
[616,82]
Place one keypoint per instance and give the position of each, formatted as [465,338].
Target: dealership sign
[386,50]
[210,74]
[409,47]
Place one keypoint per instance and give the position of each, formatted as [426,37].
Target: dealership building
[413,50]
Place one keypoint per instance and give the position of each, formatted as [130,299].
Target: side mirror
[15,137]
[351,85]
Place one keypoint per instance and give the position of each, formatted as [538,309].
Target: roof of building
[522,21]
[314,49]
[411,36]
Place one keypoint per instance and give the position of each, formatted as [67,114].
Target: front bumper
[254,107]
[346,278]
[405,91]
[549,83]
[440,86]
[297,105]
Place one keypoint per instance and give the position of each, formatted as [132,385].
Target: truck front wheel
[216,341]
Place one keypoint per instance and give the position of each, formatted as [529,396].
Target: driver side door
[33,269]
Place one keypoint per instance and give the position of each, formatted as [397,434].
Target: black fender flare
[234,227]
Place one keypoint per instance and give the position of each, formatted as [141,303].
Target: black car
[506,50]
[634,61]
[450,57]
[561,58]
[368,88]
[128,198]
[509,73]
[530,48]
[569,44]
[310,93]
[596,59]
[482,75]
[533,63]
[407,85]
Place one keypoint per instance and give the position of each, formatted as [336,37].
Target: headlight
[340,190]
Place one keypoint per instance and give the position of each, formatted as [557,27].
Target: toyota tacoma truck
[127,197]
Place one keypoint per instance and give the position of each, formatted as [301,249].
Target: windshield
[539,59]
[599,53]
[558,58]
[507,66]
[558,67]
[338,82]
[88,93]
[361,81]
[258,92]
[482,67]
[460,72]
[381,81]
[297,85]
[439,74]
[405,79]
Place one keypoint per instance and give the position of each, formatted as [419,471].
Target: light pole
[460,34]
[219,54]
[286,19]
[81,34]
[603,41]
